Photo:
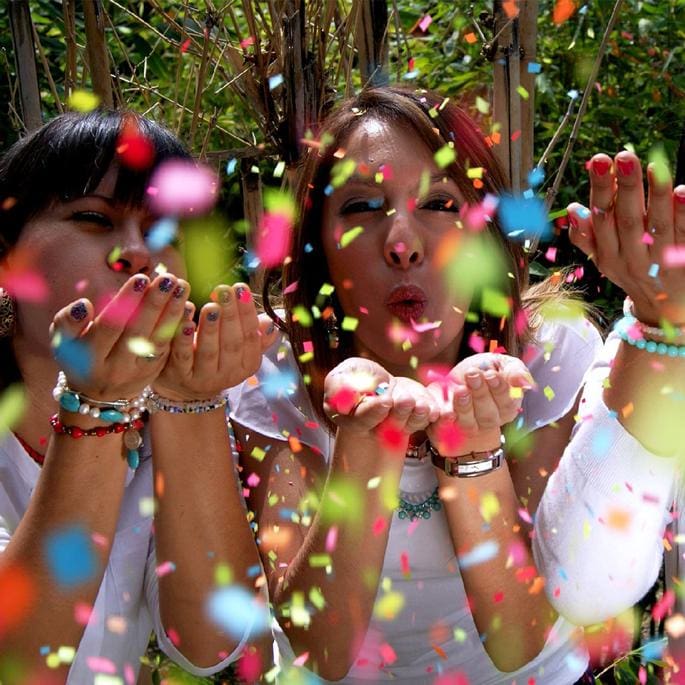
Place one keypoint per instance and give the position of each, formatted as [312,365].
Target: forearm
[79,493]
[361,518]
[200,526]
[504,590]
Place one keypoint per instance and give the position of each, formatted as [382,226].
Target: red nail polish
[600,166]
[188,330]
[680,198]
[625,166]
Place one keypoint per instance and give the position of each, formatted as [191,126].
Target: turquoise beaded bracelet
[623,326]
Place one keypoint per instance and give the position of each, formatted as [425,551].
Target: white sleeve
[599,526]
[165,643]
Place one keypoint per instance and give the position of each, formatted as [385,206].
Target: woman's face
[391,276]
[73,248]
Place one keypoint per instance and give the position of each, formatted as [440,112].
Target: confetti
[161,234]
[17,597]
[182,188]
[83,101]
[134,150]
[348,236]
[444,157]
[274,236]
[563,10]
[524,218]
[12,407]
[235,610]
[479,554]
[71,557]
[389,606]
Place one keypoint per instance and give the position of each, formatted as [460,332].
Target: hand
[115,354]
[360,395]
[475,401]
[224,350]
[627,241]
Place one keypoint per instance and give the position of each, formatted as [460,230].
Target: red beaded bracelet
[98,431]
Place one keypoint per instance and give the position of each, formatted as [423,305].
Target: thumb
[268,332]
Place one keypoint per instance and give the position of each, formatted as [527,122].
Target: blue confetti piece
[576,662]
[279,384]
[601,440]
[231,165]
[536,177]
[308,248]
[534,67]
[71,556]
[653,650]
[275,81]
[162,233]
[524,218]
[286,514]
[653,270]
[328,190]
[74,356]
[563,574]
[411,75]
[479,554]
[236,611]
[573,94]
[254,571]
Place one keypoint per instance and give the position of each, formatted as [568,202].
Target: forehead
[375,142]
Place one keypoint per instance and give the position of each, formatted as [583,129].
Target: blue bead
[662,348]
[111,415]
[672,350]
[650,346]
[70,401]
[681,351]
[133,458]
[640,344]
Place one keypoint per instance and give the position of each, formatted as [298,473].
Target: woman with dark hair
[81,583]
[393,531]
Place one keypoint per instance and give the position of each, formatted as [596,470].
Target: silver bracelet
[468,465]
[157,403]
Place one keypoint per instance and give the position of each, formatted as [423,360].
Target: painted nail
[573,220]
[79,311]
[178,291]
[165,285]
[474,380]
[243,294]
[188,311]
[600,166]
[140,284]
[223,296]
[680,197]
[188,330]
[625,166]
[212,316]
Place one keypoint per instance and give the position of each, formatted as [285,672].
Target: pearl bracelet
[655,333]
[157,403]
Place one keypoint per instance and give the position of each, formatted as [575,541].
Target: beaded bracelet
[131,431]
[625,327]
[654,333]
[114,411]
[157,403]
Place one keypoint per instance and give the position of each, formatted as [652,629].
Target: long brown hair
[436,121]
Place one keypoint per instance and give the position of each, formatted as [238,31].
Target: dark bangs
[67,158]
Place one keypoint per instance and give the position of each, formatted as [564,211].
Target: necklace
[422,510]
[34,454]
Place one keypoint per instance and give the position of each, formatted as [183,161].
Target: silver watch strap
[468,465]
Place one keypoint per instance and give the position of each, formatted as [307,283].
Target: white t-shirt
[127,605]
[434,632]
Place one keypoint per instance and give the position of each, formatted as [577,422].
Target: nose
[403,245]
[133,256]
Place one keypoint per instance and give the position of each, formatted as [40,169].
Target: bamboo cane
[98,59]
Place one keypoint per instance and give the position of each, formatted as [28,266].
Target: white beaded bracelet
[157,403]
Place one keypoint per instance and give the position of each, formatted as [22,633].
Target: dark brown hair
[436,121]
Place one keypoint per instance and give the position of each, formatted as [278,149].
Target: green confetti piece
[316,598]
[258,453]
[342,171]
[660,168]
[349,323]
[302,315]
[549,393]
[389,606]
[459,635]
[319,560]
[83,101]
[306,357]
[223,575]
[523,92]
[279,170]
[495,303]
[326,289]
[146,506]
[483,106]
[475,172]
[445,156]
[273,499]
[12,407]
[348,236]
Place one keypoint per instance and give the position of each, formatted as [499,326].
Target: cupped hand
[637,245]
[220,352]
[360,395]
[116,353]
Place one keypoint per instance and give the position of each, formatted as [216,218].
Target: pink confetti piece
[331,538]
[308,346]
[129,674]
[182,188]
[386,171]
[273,238]
[425,22]
[477,343]
[404,564]
[246,42]
[165,568]
[82,613]
[551,254]
[301,660]
[173,635]
[291,287]
[524,515]
[379,526]
[647,239]
[100,664]
[29,286]
[663,606]
[427,326]
[413,526]
[387,654]
[253,480]
[674,256]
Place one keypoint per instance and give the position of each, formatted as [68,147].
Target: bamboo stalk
[371,41]
[528,27]
[25,57]
[98,59]
[69,13]
[46,69]
[293,75]
[200,84]
[252,209]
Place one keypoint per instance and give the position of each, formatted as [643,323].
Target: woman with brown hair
[390,524]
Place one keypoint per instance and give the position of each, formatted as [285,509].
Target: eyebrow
[370,181]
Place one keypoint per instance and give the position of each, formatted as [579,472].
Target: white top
[127,605]
[600,524]
[434,594]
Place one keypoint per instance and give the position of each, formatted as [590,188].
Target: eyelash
[361,206]
[92,218]
[447,204]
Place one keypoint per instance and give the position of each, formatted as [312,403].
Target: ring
[150,357]
[357,404]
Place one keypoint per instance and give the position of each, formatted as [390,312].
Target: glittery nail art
[165,285]
[212,316]
[139,285]
[79,311]
[178,291]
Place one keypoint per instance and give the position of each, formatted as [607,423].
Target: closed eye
[90,217]
[360,206]
[440,204]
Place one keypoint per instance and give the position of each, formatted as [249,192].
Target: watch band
[467,465]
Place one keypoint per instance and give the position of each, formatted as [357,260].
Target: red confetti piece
[449,437]
[343,400]
[249,665]
[498,597]
[563,10]
[134,150]
[185,45]
[391,436]
[404,565]
[379,525]
[387,653]
[17,596]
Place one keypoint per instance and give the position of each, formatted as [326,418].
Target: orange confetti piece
[295,444]
[537,586]
[439,651]
[511,8]
[17,594]
[628,409]
[618,519]
[470,38]
[563,10]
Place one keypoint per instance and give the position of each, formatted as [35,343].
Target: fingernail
[139,284]
[188,330]
[178,291]
[271,328]
[188,311]
[79,311]
[583,213]
[223,296]
[474,380]
[166,284]
[464,399]
[625,166]
[243,294]
[493,380]
[600,166]
[212,316]
[680,197]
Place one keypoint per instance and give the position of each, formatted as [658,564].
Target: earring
[332,331]
[8,314]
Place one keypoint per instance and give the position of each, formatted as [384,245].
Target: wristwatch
[467,465]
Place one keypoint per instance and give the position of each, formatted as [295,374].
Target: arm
[201,520]
[295,554]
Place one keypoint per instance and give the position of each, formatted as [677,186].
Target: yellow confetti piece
[306,357]
[327,289]
[373,483]
[475,172]
[12,407]
[349,323]
[515,393]
[146,506]
[459,635]
[319,560]
[141,347]
[495,302]
[445,156]
[587,529]
[348,236]
[83,101]
[660,166]
[489,506]
[388,606]
[279,170]
[523,92]
[316,598]
[302,316]
[66,654]
[342,171]
[483,106]
[298,613]
[223,575]
[258,453]
[548,392]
